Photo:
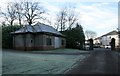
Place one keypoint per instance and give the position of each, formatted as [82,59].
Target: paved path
[100,62]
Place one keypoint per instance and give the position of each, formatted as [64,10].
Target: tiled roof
[39,27]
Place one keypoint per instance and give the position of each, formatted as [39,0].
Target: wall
[24,41]
[64,45]
[107,39]
[18,42]
[57,42]
[37,42]
[29,42]
[45,46]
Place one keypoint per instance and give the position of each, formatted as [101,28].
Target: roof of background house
[97,38]
[39,27]
[114,32]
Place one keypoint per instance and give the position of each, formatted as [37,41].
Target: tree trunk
[11,23]
[20,22]
[30,22]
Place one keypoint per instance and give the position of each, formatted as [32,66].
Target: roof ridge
[38,25]
[47,25]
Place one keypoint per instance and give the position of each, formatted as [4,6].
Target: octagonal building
[38,37]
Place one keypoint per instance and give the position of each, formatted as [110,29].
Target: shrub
[7,39]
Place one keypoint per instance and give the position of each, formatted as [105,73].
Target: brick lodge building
[38,37]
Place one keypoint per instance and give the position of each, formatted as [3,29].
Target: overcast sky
[99,16]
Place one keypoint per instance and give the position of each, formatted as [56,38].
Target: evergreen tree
[80,36]
[7,38]
[75,37]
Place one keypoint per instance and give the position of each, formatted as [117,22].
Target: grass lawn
[67,51]
[32,63]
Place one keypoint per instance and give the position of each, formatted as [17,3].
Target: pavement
[101,61]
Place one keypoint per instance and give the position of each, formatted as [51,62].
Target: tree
[90,34]
[10,14]
[61,19]
[32,11]
[19,10]
[79,35]
[75,37]
[66,18]
[72,17]
[7,38]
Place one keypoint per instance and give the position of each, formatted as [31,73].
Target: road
[101,61]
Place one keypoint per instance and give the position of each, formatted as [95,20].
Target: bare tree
[90,34]
[19,12]
[72,17]
[61,19]
[66,18]
[10,14]
[48,19]
[32,11]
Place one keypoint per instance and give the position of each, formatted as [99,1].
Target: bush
[7,39]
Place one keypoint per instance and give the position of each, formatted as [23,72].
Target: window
[31,41]
[49,41]
[63,42]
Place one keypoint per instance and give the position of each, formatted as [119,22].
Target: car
[107,46]
[87,47]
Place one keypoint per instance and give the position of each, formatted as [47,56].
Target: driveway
[102,61]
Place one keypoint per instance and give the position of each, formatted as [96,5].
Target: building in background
[105,39]
[38,37]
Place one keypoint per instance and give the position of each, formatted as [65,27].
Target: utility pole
[119,38]
[119,23]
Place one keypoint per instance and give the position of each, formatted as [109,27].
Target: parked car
[96,46]
[87,47]
[107,46]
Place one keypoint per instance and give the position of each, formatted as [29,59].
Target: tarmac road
[101,61]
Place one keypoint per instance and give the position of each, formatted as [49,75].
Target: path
[100,62]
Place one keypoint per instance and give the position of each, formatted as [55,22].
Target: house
[105,39]
[38,37]
[97,41]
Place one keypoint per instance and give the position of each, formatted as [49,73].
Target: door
[57,42]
